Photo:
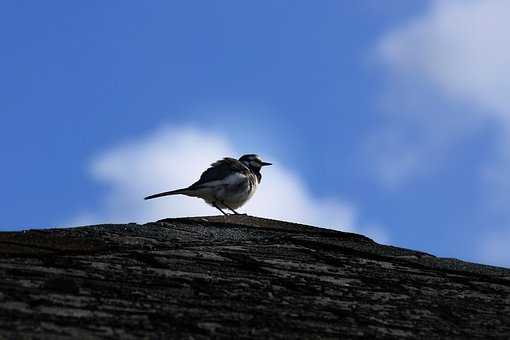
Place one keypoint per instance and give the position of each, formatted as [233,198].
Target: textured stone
[242,277]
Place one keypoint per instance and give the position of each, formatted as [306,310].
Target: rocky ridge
[239,276]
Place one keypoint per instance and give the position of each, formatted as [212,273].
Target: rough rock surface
[242,277]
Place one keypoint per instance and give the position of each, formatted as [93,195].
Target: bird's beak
[266,164]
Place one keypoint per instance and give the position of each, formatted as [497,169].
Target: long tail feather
[167,193]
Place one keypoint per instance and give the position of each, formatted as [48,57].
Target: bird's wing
[220,170]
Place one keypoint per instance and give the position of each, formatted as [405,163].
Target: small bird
[227,184]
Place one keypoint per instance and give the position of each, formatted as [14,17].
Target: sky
[386,118]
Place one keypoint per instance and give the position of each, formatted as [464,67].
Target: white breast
[237,189]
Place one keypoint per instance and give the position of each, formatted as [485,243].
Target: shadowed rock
[239,276]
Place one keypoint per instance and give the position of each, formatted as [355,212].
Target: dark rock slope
[240,277]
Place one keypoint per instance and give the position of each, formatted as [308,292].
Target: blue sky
[360,102]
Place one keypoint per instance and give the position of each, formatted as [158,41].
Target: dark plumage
[221,169]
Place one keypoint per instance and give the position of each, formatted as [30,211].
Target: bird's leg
[216,206]
[229,208]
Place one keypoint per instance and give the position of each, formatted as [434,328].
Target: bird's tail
[168,193]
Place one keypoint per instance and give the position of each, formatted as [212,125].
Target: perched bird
[227,184]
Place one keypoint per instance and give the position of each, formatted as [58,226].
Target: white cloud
[460,46]
[173,158]
[449,78]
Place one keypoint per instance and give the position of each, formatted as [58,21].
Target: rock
[242,277]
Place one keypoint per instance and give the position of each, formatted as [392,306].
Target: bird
[227,184]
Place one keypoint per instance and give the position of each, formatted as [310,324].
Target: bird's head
[253,161]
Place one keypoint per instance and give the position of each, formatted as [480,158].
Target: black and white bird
[227,184]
